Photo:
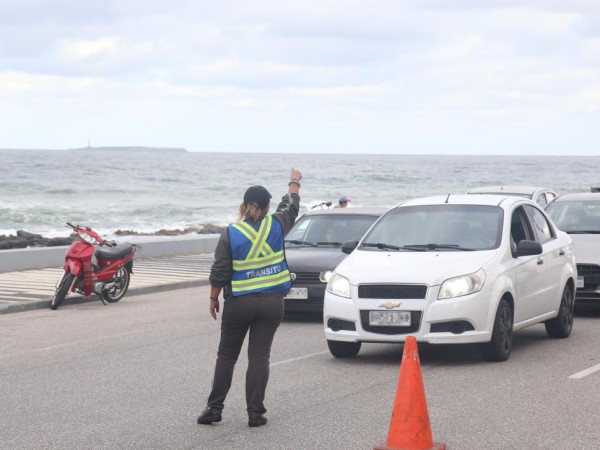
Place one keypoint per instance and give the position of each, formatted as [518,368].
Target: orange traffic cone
[409,427]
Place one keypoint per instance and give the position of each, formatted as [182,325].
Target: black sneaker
[209,415]
[257,420]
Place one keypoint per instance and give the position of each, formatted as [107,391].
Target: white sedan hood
[586,248]
[430,267]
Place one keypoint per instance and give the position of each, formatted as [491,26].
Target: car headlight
[338,285]
[325,276]
[464,285]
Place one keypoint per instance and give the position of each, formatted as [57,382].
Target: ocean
[40,190]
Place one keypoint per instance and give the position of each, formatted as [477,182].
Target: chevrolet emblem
[390,305]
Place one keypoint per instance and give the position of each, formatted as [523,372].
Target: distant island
[131,149]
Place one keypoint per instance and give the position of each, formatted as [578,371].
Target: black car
[313,250]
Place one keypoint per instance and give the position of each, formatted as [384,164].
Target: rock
[209,228]
[24,239]
[58,241]
[8,243]
[27,235]
[126,233]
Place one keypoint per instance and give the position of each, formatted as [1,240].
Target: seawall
[149,247]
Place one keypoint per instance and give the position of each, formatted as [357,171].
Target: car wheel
[561,325]
[341,349]
[500,347]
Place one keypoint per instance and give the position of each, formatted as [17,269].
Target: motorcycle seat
[116,252]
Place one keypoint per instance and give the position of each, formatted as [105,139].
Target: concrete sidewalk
[33,289]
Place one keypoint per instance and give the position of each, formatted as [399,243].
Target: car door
[552,260]
[529,270]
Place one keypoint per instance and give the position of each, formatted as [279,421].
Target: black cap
[258,195]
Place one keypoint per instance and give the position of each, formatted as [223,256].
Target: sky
[310,76]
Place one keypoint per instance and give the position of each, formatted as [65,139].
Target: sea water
[40,190]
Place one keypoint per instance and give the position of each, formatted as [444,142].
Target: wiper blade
[335,244]
[432,246]
[298,242]
[583,232]
[381,245]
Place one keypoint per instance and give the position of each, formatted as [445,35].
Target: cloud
[84,49]
[316,66]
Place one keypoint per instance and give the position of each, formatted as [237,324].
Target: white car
[453,269]
[541,195]
[579,215]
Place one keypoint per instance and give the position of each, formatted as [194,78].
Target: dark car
[313,250]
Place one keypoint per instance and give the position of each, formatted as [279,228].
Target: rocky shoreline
[24,239]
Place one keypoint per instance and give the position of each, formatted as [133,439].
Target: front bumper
[312,304]
[589,276]
[461,320]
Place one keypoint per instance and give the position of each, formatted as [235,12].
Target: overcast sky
[318,76]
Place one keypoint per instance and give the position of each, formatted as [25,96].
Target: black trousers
[261,315]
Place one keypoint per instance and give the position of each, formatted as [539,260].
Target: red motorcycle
[94,265]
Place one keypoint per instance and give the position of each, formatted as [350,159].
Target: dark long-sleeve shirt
[222,268]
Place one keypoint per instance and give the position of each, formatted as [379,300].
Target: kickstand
[102,299]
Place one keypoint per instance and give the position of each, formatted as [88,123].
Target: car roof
[578,196]
[355,210]
[466,199]
[511,189]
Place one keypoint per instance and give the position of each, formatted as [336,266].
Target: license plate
[579,281]
[297,294]
[389,318]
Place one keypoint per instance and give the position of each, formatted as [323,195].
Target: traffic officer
[251,271]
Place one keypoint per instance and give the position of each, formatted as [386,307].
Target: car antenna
[447,198]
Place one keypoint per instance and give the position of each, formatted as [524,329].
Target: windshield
[437,227]
[328,230]
[581,216]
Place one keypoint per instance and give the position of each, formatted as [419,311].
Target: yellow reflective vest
[258,258]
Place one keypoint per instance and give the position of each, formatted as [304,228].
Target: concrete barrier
[149,247]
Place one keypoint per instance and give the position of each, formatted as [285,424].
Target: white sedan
[453,269]
[540,195]
[578,215]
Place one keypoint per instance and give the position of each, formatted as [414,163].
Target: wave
[65,191]
[155,192]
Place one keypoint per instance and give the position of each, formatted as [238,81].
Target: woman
[251,270]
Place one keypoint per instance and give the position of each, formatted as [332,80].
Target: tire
[561,326]
[62,290]
[341,349]
[117,292]
[500,346]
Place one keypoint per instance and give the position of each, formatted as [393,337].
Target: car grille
[415,320]
[395,291]
[307,277]
[591,276]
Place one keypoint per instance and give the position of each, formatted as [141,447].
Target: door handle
[540,261]
[561,252]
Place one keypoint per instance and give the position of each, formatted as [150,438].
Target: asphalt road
[136,374]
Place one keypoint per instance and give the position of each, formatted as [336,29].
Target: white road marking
[285,361]
[585,373]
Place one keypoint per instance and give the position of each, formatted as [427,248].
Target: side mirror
[528,248]
[349,246]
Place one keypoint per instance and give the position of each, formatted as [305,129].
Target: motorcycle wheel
[62,290]
[117,292]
